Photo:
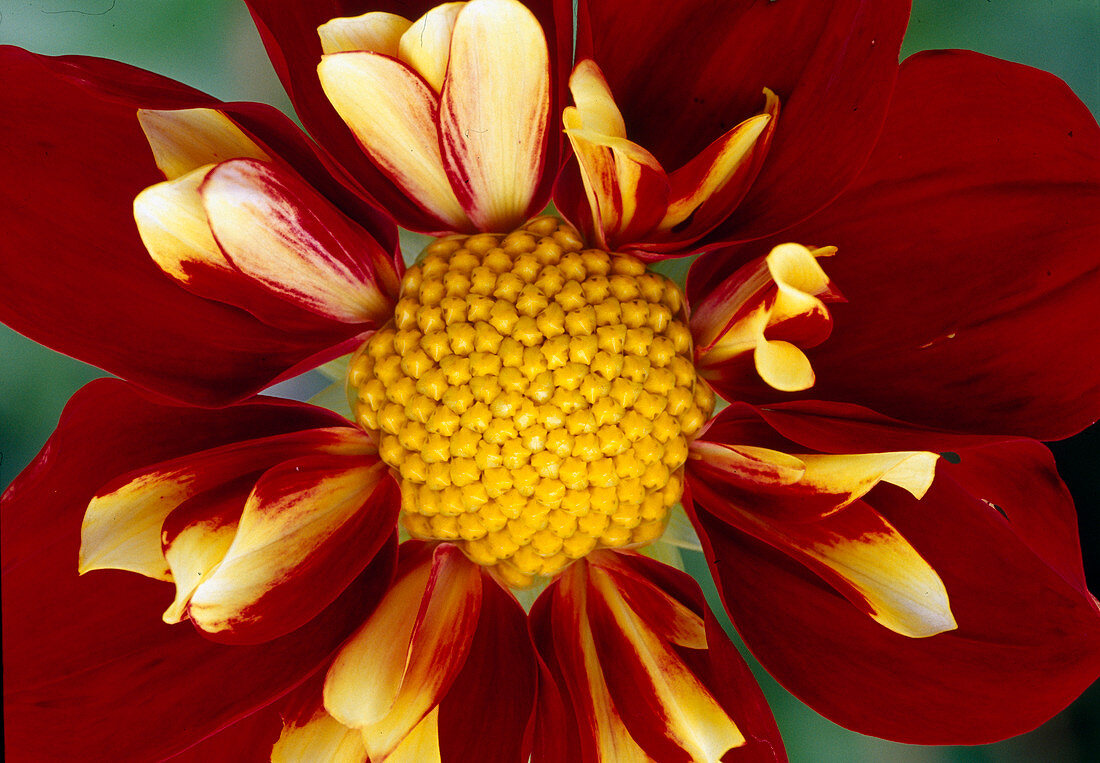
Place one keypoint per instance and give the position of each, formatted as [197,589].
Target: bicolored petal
[289,31]
[397,667]
[804,486]
[426,44]
[308,528]
[860,554]
[122,526]
[90,261]
[497,681]
[394,114]
[278,231]
[998,528]
[807,505]
[980,320]
[661,700]
[175,229]
[626,188]
[315,735]
[709,187]
[832,65]
[493,112]
[91,670]
[495,678]
[770,308]
[633,202]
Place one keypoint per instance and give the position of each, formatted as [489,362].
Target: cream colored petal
[321,738]
[363,683]
[186,139]
[394,114]
[174,228]
[493,111]
[595,104]
[426,44]
[378,32]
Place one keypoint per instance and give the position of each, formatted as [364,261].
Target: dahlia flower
[892,297]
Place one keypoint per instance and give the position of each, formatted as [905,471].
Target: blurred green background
[212,45]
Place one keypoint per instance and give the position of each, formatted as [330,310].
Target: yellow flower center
[536,398]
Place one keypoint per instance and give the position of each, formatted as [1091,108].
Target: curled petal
[493,112]
[308,528]
[91,671]
[966,252]
[772,306]
[278,231]
[640,678]
[396,668]
[122,526]
[378,32]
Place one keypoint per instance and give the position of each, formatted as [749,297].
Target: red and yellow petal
[289,31]
[394,671]
[92,666]
[308,528]
[281,233]
[982,321]
[834,78]
[394,114]
[643,688]
[122,525]
[90,261]
[998,528]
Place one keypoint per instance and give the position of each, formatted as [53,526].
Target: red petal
[90,671]
[684,74]
[289,31]
[1028,640]
[249,740]
[967,254]
[71,128]
[497,682]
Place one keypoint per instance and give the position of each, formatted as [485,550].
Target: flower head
[535,406]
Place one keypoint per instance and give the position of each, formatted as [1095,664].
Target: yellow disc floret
[535,398]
